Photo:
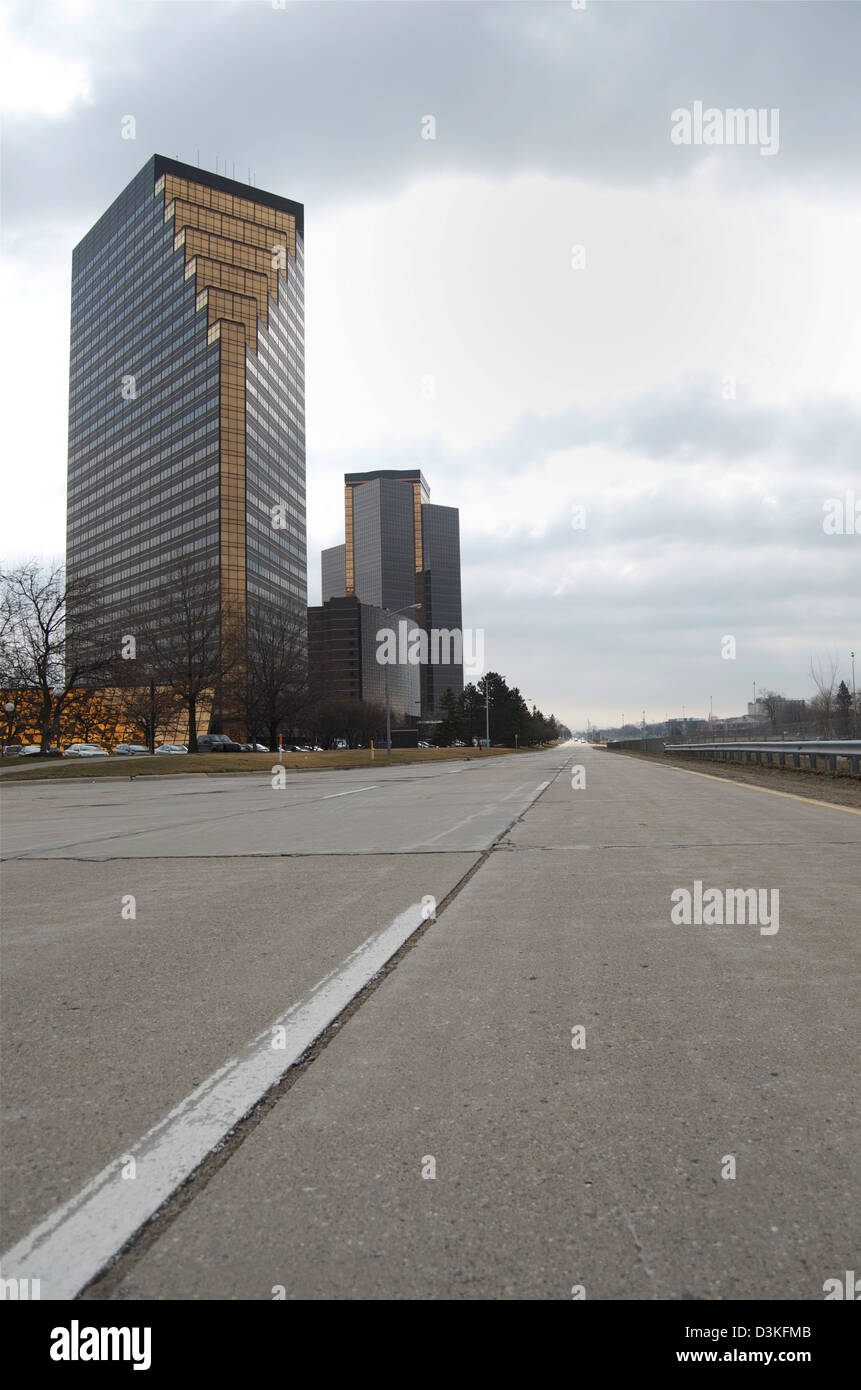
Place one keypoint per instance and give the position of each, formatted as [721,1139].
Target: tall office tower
[186,400]
[400,550]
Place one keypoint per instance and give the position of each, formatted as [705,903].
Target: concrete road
[706,1049]
[244,895]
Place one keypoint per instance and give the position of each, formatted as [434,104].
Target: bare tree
[148,707]
[188,640]
[277,671]
[823,672]
[54,639]
[356,721]
[772,702]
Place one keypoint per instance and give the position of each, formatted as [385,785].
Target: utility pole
[854,699]
[487,712]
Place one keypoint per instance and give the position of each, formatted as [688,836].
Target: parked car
[259,748]
[171,748]
[85,750]
[35,749]
[217,743]
[127,750]
[13,750]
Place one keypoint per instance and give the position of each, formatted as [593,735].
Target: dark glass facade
[342,651]
[402,550]
[144,406]
[333,574]
[186,402]
[442,600]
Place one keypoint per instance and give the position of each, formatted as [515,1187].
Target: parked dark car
[13,750]
[36,751]
[217,743]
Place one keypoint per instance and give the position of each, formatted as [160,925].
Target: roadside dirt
[837,788]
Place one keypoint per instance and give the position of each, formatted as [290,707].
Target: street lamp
[9,708]
[394,613]
[854,700]
[486,712]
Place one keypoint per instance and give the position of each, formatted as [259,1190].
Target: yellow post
[372,750]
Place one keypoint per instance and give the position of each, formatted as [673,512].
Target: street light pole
[854,699]
[486,713]
[9,708]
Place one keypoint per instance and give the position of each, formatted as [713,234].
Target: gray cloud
[325,100]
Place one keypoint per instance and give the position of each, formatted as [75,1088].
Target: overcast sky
[550,306]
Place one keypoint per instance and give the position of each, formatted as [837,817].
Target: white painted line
[490,806]
[516,790]
[71,1246]
[354,792]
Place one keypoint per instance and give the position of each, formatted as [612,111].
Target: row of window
[142,407]
[174,362]
[121,478]
[271,376]
[138,214]
[181,420]
[153,537]
[148,505]
[195,524]
[129,324]
[259,513]
[146,271]
[142,282]
[283,556]
[283,478]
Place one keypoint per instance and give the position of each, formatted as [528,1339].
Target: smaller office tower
[401,550]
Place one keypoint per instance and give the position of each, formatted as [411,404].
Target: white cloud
[469,282]
[37,80]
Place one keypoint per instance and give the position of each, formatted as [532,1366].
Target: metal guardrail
[812,749]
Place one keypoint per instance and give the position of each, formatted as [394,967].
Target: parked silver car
[85,750]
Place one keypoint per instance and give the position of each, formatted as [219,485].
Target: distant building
[332,563]
[401,550]
[342,657]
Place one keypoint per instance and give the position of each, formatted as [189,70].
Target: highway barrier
[837,754]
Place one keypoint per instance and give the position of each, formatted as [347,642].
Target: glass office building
[186,394]
[332,564]
[343,643]
[442,602]
[400,550]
